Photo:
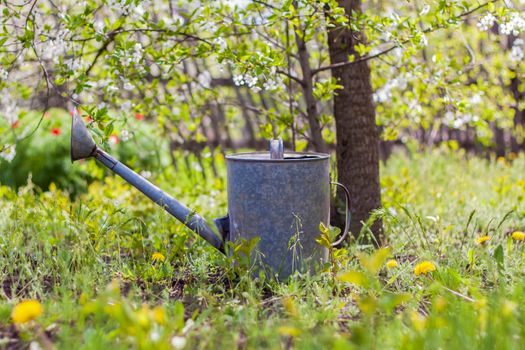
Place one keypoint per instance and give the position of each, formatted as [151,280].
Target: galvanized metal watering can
[278,197]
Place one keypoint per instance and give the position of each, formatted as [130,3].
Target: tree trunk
[357,135]
[517,143]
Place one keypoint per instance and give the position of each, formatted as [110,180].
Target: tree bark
[357,135]
[517,143]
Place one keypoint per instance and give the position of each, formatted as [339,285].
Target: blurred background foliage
[44,158]
[208,77]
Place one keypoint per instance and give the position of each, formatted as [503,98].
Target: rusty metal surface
[282,201]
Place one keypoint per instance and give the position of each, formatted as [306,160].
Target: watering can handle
[347,213]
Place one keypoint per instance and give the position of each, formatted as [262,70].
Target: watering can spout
[83,146]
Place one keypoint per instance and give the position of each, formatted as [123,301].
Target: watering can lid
[288,157]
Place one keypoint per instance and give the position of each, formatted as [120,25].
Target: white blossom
[423,40]
[119,6]
[425,10]
[513,25]
[3,73]
[9,152]
[102,83]
[476,98]
[209,26]
[449,117]
[126,84]
[237,3]
[457,121]
[138,12]
[154,336]
[516,54]
[178,342]
[486,22]
[394,16]
[221,43]
[271,85]
[392,211]
[126,106]
[34,345]
[415,107]
[251,81]
[238,80]
[98,26]
[125,61]
[125,135]
[111,89]
[74,64]
[9,108]
[397,52]
[384,93]
[196,166]
[137,53]
[56,47]
[176,20]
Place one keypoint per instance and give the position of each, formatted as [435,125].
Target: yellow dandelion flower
[158,257]
[424,268]
[518,236]
[26,311]
[158,315]
[391,263]
[512,156]
[142,316]
[483,239]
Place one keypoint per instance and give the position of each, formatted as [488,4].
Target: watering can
[278,198]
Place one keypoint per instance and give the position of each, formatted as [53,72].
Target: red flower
[114,140]
[15,124]
[139,116]
[89,119]
[55,131]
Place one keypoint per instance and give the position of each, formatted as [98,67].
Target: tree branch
[291,76]
[428,30]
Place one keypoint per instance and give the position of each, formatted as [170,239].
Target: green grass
[89,262]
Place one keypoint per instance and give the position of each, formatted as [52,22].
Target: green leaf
[374,262]
[499,256]
[354,277]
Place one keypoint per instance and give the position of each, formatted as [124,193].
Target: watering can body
[278,198]
[279,202]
